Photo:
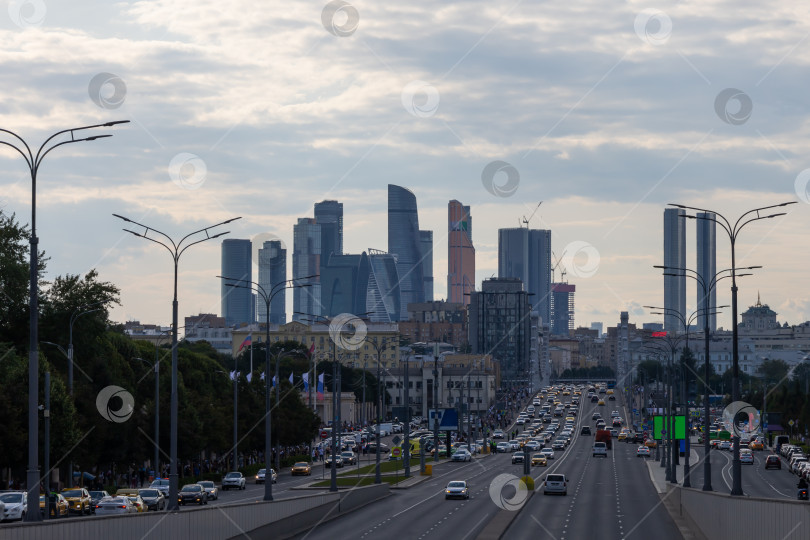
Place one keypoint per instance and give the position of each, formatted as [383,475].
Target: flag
[247,341]
[320,386]
[234,375]
[274,381]
[305,376]
[262,376]
[659,334]
[311,350]
[291,378]
[249,376]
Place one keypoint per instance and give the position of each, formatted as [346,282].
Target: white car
[210,488]
[260,476]
[503,447]
[497,434]
[555,483]
[233,480]
[16,505]
[115,505]
[162,485]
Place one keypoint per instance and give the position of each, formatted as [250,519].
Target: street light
[34,161]
[733,231]
[268,298]
[707,284]
[176,250]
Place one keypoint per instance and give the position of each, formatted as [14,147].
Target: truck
[386,429]
[603,435]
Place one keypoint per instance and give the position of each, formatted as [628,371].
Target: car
[261,477]
[539,460]
[724,445]
[514,444]
[233,479]
[349,457]
[162,485]
[651,443]
[773,462]
[558,444]
[301,468]
[548,452]
[114,505]
[96,496]
[461,455]
[518,457]
[533,445]
[555,483]
[193,493]
[498,434]
[599,449]
[622,436]
[596,416]
[138,502]
[154,499]
[456,489]
[756,445]
[601,403]
[338,461]
[586,430]
[58,506]
[642,451]
[614,433]
[372,448]
[15,505]
[503,447]
[79,501]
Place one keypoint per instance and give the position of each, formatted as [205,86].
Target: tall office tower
[706,268]
[426,243]
[273,273]
[526,254]
[500,325]
[329,215]
[238,306]
[405,244]
[366,283]
[562,308]
[306,262]
[383,298]
[460,254]
[674,257]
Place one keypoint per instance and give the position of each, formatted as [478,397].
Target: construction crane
[526,220]
[555,265]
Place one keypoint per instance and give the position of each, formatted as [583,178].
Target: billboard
[660,422]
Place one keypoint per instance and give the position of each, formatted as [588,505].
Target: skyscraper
[306,262]
[238,306]
[674,257]
[706,268]
[426,244]
[329,215]
[562,308]
[404,242]
[366,283]
[273,273]
[526,254]
[460,253]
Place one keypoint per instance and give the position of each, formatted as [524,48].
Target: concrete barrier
[720,516]
[283,517]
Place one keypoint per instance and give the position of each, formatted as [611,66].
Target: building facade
[238,305]
[272,277]
[436,321]
[306,262]
[674,257]
[460,254]
[562,308]
[525,254]
[329,215]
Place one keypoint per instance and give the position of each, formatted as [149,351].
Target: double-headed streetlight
[707,284]
[34,160]
[733,232]
[176,249]
[267,297]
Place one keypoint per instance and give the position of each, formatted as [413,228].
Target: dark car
[96,496]
[372,447]
[153,499]
[192,493]
[773,461]
[586,430]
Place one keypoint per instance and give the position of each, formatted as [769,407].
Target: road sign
[396,452]
[396,440]
[448,419]
[791,423]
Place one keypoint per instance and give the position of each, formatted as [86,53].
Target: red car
[773,461]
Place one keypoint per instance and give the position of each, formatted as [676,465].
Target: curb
[501,522]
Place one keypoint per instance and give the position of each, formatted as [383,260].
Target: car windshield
[160,482]
[97,494]
[262,471]
[191,488]
[300,464]
[11,498]
[149,493]
[455,485]
[209,484]
[72,493]
[233,475]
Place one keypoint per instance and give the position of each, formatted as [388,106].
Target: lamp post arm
[23,154]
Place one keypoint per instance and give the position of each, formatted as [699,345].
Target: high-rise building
[383,296]
[426,243]
[500,325]
[329,215]
[674,257]
[598,327]
[306,262]
[272,275]
[706,268]
[562,308]
[362,284]
[526,254]
[404,242]
[238,306]
[460,254]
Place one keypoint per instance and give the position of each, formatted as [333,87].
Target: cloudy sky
[605,111]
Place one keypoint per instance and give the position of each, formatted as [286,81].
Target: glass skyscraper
[426,243]
[306,262]
[706,268]
[526,254]
[674,257]
[273,273]
[329,215]
[238,306]
[404,242]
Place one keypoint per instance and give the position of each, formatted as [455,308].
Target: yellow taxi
[138,503]
[650,443]
[601,403]
[302,467]
[622,435]
[610,392]
[78,500]
[58,505]
[566,393]
[539,460]
[756,445]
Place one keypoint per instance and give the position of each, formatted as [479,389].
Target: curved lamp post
[34,160]
[733,232]
[176,249]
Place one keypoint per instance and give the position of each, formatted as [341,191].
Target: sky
[604,111]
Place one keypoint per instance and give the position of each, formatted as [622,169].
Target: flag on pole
[291,378]
[305,376]
[235,375]
[274,381]
[320,386]
[249,376]
[262,376]
[247,341]
[311,350]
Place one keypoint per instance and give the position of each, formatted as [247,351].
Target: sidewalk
[658,478]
